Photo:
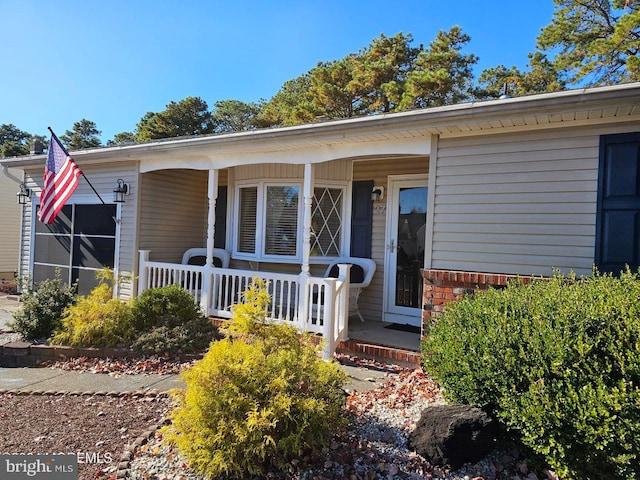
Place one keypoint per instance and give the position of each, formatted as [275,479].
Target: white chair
[198,256]
[362,270]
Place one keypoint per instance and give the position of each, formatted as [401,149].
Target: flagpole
[81,171]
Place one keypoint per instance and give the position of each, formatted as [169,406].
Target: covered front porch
[303,293]
[311,303]
[283,217]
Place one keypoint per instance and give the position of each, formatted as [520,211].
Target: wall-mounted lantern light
[23,195]
[120,191]
[377,194]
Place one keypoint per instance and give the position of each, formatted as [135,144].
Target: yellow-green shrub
[258,398]
[96,320]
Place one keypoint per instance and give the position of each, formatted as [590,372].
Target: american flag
[60,181]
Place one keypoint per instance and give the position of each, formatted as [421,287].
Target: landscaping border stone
[24,354]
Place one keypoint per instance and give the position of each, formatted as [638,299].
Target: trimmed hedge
[168,320]
[557,361]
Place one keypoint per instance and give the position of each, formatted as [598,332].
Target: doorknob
[391,246]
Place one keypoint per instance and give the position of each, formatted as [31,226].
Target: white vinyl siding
[339,170]
[173,213]
[10,221]
[519,204]
[267,171]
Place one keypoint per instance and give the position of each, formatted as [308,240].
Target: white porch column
[212,194]
[142,269]
[307,195]
[211,216]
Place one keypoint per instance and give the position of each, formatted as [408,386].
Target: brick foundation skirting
[443,286]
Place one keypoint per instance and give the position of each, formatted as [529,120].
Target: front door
[404,252]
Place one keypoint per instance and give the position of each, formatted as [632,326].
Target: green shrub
[43,307]
[558,361]
[169,306]
[169,320]
[192,336]
[97,319]
[259,397]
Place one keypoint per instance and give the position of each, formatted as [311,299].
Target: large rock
[453,435]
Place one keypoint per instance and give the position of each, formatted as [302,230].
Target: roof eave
[423,118]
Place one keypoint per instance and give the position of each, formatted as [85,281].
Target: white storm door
[404,249]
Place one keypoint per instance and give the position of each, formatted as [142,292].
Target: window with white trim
[248,216]
[270,218]
[267,214]
[281,220]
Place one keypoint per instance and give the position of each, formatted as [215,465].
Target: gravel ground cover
[104,430]
[374,446]
[101,430]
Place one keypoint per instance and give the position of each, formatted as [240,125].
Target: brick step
[368,350]
[380,352]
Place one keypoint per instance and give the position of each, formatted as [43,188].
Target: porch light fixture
[23,195]
[120,191]
[377,194]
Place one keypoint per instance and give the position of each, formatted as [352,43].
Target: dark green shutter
[361,218]
[618,210]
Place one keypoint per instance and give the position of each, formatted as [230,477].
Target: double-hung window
[270,220]
[268,216]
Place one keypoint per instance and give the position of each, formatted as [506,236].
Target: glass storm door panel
[406,231]
[79,242]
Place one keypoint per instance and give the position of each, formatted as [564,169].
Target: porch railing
[311,304]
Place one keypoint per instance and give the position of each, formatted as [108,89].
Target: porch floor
[376,332]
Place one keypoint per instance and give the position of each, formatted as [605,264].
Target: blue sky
[112,61]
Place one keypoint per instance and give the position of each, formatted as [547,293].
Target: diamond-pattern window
[326,222]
